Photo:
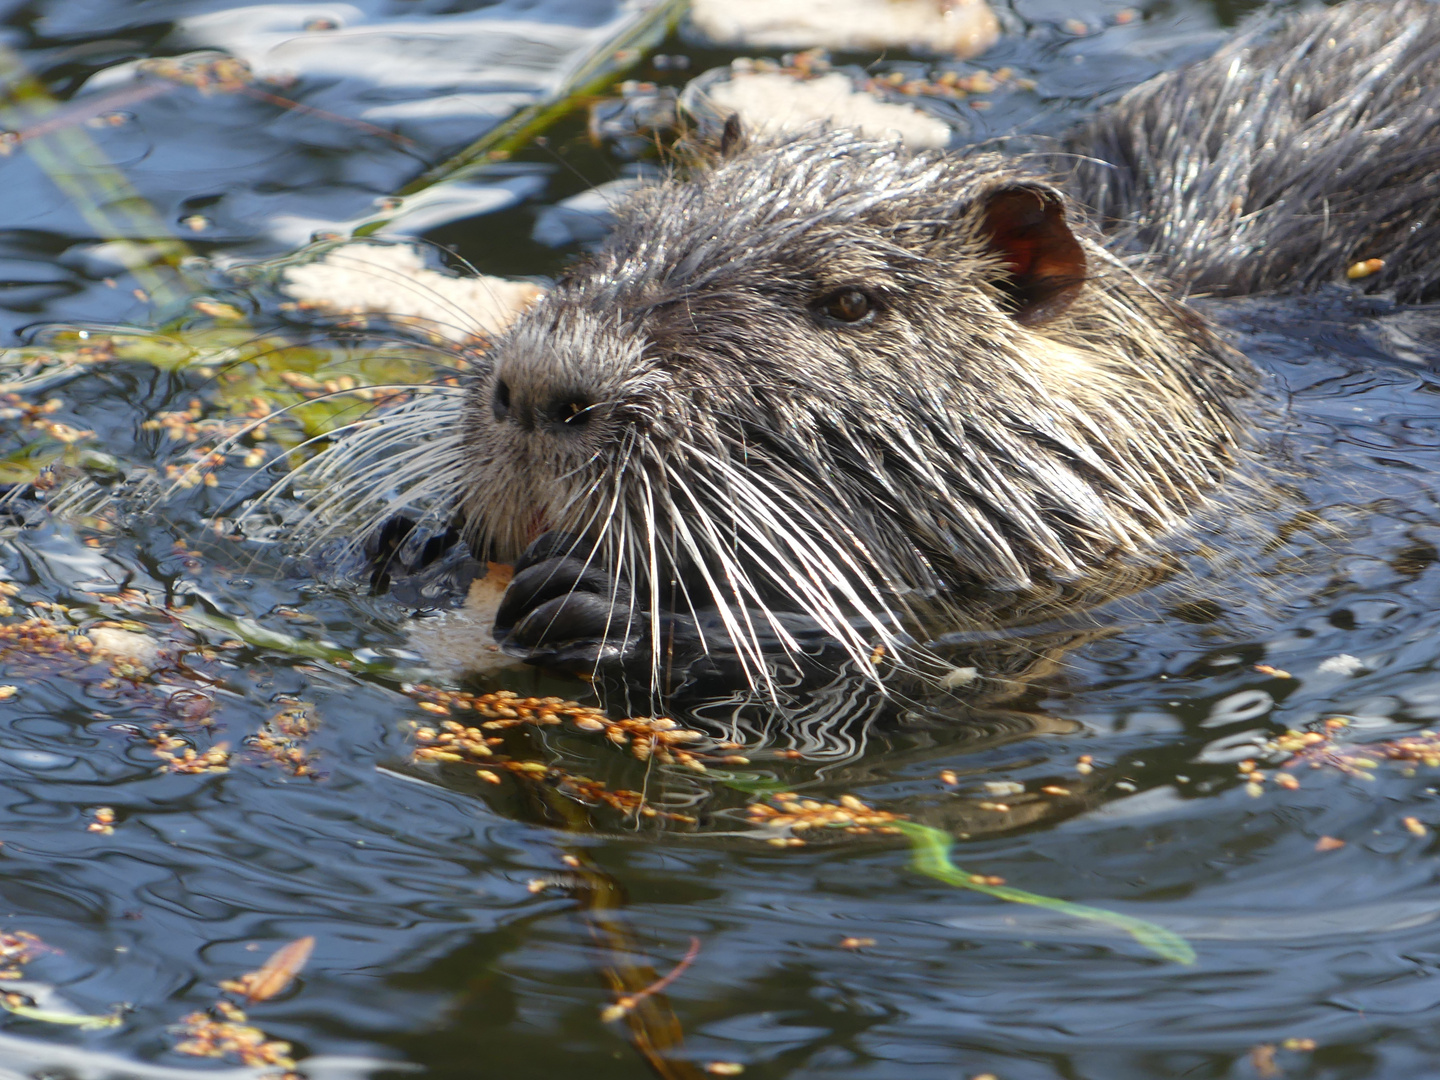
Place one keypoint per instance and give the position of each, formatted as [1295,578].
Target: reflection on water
[462,923]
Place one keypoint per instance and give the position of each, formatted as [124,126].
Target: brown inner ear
[1044,263]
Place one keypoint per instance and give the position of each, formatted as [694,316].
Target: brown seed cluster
[27,360]
[282,738]
[39,416]
[951,85]
[190,425]
[116,658]
[1255,779]
[18,948]
[212,439]
[1320,749]
[206,73]
[180,757]
[200,471]
[45,641]
[645,737]
[453,742]
[1420,749]
[506,707]
[792,813]
[307,386]
[38,637]
[222,1031]
[658,736]
[622,800]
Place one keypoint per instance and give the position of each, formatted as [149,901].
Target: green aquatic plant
[931,850]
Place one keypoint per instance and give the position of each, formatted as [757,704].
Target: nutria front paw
[563,610]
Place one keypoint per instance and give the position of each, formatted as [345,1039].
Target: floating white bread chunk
[363,278]
[125,645]
[460,642]
[962,28]
[772,103]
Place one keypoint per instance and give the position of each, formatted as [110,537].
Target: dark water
[434,949]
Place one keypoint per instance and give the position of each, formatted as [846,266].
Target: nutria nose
[569,409]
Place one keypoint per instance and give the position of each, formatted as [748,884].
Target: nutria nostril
[570,412]
[500,401]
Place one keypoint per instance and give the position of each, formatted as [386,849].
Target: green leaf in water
[21,1006]
[24,465]
[260,637]
[753,783]
[931,849]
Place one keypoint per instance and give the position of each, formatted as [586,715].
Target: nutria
[824,387]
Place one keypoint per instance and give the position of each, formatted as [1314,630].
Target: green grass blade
[592,76]
[931,848]
[13,1003]
[101,194]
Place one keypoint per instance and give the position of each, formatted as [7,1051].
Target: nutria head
[831,376]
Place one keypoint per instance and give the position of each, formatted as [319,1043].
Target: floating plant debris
[277,973]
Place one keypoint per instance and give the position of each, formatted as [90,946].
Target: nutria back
[1301,147]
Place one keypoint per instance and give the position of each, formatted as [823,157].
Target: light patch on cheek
[1079,374]
[1064,361]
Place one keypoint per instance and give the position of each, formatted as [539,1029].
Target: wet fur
[1299,148]
[680,405]
[720,428]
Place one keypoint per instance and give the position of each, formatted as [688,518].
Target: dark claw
[578,631]
[577,616]
[384,547]
[544,582]
[565,610]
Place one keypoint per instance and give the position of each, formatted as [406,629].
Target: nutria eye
[848,305]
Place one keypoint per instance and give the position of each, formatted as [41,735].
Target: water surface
[464,927]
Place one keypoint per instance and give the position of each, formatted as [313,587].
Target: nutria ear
[1024,225]
[734,137]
